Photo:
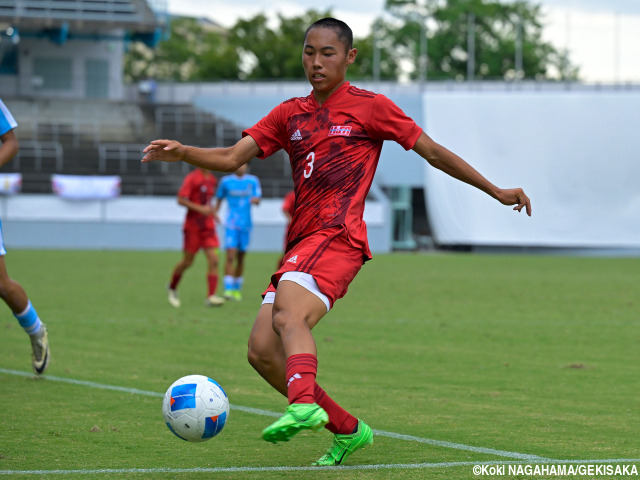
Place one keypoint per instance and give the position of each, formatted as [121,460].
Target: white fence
[143,223]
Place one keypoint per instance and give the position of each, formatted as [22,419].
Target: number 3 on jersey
[309,166]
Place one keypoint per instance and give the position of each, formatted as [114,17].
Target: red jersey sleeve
[185,189]
[388,122]
[269,132]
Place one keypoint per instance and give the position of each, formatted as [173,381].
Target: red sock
[340,421]
[301,378]
[175,279]
[212,281]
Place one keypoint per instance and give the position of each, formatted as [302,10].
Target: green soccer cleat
[345,445]
[228,294]
[297,416]
[237,296]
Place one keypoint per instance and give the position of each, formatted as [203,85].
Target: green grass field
[454,359]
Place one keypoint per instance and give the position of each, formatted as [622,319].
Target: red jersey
[198,187]
[334,150]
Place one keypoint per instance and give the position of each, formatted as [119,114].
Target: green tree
[375,52]
[193,51]
[507,44]
[272,53]
[506,38]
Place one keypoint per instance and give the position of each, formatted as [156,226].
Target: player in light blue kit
[241,191]
[11,291]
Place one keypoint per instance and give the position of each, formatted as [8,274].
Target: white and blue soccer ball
[195,408]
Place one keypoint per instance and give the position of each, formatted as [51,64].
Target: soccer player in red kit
[199,232]
[333,137]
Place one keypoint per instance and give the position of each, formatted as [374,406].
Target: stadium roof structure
[59,19]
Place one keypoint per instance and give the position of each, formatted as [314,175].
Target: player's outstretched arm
[450,163]
[226,159]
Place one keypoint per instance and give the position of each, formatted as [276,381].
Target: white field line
[523,458]
[341,468]
[267,413]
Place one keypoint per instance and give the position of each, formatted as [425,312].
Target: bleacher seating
[98,137]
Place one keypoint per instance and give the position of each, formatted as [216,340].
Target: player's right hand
[163,150]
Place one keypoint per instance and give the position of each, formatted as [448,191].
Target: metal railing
[58,131]
[128,157]
[187,120]
[38,152]
[179,117]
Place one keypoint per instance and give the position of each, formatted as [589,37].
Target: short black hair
[345,35]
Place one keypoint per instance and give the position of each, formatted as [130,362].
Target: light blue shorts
[2,250]
[237,238]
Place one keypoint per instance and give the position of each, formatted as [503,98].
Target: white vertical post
[616,48]
[519,45]
[424,55]
[376,52]
[471,47]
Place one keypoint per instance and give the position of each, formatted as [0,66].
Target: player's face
[325,59]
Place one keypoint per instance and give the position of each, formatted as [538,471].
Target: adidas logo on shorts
[293,259]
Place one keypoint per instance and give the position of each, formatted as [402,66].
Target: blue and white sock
[229,282]
[238,283]
[30,321]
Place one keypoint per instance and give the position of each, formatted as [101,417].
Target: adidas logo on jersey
[297,135]
[293,259]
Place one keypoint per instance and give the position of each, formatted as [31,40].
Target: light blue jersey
[7,122]
[238,191]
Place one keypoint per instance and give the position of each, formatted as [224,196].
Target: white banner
[86,187]
[576,154]
[10,183]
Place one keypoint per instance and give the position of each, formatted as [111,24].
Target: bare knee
[283,320]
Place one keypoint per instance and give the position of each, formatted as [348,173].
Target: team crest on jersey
[339,130]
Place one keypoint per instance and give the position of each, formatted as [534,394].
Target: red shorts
[328,256]
[195,239]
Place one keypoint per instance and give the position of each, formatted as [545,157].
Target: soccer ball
[195,408]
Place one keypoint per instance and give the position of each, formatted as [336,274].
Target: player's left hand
[517,197]
[163,150]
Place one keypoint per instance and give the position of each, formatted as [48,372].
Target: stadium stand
[101,137]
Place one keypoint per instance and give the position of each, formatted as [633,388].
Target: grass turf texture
[530,354]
